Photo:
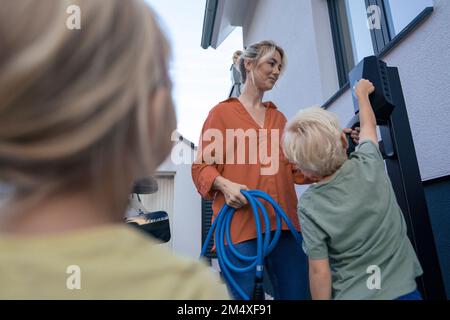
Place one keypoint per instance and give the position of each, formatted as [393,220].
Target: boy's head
[315,143]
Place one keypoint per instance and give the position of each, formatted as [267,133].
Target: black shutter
[207,214]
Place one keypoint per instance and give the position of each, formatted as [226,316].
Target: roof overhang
[221,17]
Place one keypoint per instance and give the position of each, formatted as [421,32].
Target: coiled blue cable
[264,245]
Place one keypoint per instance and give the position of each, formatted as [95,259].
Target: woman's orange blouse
[279,184]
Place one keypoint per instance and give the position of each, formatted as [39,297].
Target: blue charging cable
[264,245]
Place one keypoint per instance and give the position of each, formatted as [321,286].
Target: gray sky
[201,77]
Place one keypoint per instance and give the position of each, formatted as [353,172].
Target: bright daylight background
[201,78]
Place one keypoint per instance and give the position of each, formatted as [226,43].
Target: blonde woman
[83,113]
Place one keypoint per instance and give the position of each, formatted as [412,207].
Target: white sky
[201,77]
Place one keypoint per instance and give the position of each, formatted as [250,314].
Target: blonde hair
[74,104]
[236,55]
[312,140]
[258,51]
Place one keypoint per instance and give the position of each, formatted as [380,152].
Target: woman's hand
[232,192]
[354,134]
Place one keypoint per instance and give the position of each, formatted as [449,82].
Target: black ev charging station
[398,150]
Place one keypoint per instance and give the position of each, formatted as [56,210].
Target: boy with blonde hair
[353,229]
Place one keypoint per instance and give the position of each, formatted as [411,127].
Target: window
[360,35]
[401,12]
[366,27]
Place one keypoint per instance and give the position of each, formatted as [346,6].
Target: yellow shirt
[111,262]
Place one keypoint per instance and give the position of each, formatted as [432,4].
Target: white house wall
[230,13]
[187,206]
[186,226]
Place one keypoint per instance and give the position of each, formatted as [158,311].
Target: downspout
[208,22]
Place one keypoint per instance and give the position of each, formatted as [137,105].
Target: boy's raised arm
[366,116]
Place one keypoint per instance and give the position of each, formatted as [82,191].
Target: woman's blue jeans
[415,295]
[286,268]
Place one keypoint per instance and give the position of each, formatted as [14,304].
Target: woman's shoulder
[270,105]
[225,106]
[227,103]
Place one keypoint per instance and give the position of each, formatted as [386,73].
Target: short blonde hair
[312,140]
[258,51]
[74,104]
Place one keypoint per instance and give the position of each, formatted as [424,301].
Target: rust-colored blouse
[214,160]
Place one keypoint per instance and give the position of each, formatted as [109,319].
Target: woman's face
[266,73]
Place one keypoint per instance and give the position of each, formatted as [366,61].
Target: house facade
[325,39]
[178,196]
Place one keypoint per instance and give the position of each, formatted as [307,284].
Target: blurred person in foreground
[83,113]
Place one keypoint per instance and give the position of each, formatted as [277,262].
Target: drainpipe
[208,22]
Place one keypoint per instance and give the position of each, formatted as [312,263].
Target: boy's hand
[366,116]
[364,88]
[354,134]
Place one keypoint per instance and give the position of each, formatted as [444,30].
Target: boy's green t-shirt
[354,221]
[111,262]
